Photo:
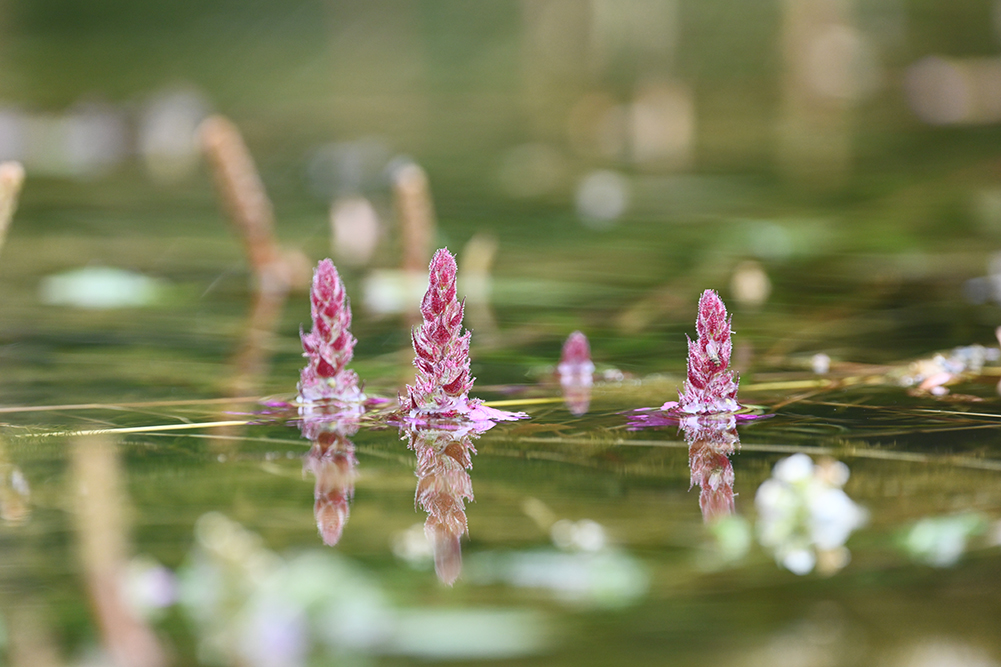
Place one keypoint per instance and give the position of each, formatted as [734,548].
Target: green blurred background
[846,151]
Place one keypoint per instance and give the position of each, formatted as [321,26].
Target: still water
[147,514]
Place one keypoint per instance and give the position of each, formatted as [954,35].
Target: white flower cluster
[804,517]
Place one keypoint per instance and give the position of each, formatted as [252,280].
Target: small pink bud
[576,358]
[576,373]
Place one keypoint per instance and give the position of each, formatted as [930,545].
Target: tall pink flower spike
[711,387]
[330,345]
[441,349]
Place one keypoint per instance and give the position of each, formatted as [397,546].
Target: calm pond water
[587,542]
[158,506]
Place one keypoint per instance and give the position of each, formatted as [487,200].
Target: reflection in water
[15,494]
[444,455]
[391,292]
[101,530]
[252,607]
[332,461]
[940,541]
[804,517]
[711,440]
[585,570]
[276,270]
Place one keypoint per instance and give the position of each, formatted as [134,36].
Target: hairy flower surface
[711,386]
[441,354]
[441,348]
[329,346]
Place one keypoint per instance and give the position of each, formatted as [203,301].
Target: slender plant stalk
[248,207]
[11,179]
[415,208]
[102,532]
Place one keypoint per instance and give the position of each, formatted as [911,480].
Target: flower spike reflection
[707,410]
[444,450]
[332,461]
[711,440]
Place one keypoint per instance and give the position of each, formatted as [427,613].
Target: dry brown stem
[11,179]
[248,207]
[415,208]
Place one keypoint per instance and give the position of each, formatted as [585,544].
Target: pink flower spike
[441,349]
[576,373]
[330,345]
[711,387]
[575,363]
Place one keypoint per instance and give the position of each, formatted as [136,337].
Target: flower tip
[324,273]
[710,304]
[443,262]
[576,349]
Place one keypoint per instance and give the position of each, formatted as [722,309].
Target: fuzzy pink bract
[441,354]
[329,346]
[711,387]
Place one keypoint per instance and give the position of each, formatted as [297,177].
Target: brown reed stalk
[276,270]
[11,179]
[415,208]
[248,207]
